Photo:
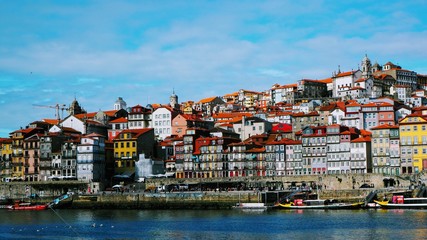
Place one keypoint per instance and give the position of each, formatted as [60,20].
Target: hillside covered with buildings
[369,120]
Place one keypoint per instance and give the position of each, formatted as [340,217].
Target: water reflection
[212,224]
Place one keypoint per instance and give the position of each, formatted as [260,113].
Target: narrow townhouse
[413,143]
[294,164]
[314,150]
[5,159]
[361,155]
[91,162]
[385,149]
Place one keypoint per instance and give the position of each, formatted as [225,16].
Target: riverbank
[199,200]
[202,199]
[213,193]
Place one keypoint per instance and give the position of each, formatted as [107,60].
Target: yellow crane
[58,107]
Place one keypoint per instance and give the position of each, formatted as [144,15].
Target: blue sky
[97,51]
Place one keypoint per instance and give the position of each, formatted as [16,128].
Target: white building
[294,164]
[91,160]
[74,123]
[335,116]
[343,82]
[251,126]
[360,153]
[162,122]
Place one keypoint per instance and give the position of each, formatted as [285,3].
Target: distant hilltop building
[75,108]
[120,104]
[173,101]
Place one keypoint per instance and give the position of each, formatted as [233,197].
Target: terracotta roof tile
[361,139]
[207,100]
[119,120]
[385,126]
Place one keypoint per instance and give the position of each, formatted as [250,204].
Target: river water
[213,224]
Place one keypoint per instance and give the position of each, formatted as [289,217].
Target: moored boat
[250,206]
[318,204]
[400,201]
[27,206]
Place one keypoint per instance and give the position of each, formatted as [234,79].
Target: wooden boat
[400,201]
[250,206]
[319,204]
[27,206]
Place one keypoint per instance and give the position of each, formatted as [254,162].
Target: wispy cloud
[99,50]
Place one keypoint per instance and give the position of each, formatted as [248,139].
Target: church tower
[366,67]
[75,108]
[173,100]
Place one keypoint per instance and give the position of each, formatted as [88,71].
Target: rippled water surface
[213,224]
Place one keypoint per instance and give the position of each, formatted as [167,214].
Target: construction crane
[58,107]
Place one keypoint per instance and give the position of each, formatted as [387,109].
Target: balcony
[17,164]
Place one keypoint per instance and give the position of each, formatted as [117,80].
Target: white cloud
[143,51]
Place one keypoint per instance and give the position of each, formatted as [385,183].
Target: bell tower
[173,100]
[366,67]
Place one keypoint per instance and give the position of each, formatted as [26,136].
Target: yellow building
[413,143]
[5,158]
[127,147]
[19,167]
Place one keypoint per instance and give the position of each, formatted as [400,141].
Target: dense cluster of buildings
[372,119]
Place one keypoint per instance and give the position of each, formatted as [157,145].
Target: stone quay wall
[172,200]
[257,189]
[325,182]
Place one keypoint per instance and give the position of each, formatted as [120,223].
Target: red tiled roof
[111,113]
[353,104]
[357,88]
[85,115]
[136,132]
[293,85]
[341,105]
[232,94]
[207,100]
[329,107]
[327,80]
[365,132]
[344,74]
[385,126]
[51,121]
[230,115]
[361,139]
[119,120]
[302,114]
